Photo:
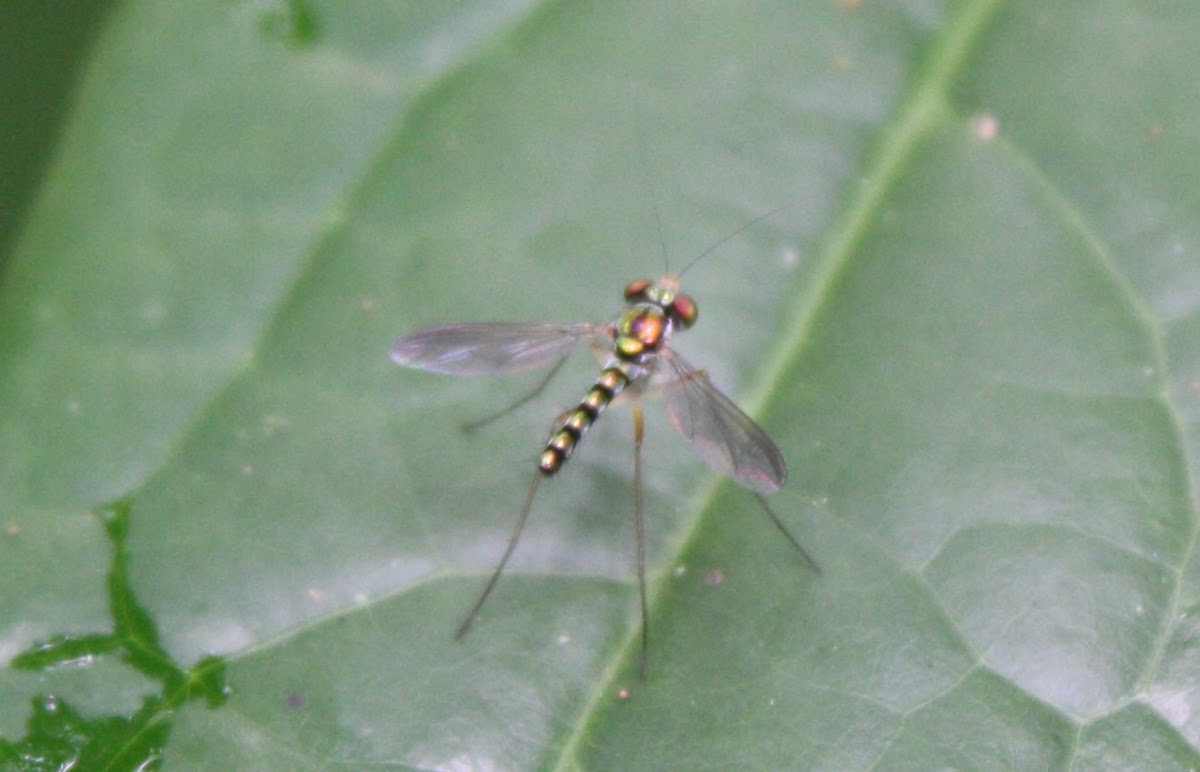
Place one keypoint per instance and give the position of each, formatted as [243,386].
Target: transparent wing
[720,433]
[491,348]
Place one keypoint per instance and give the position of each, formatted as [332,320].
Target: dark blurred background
[43,47]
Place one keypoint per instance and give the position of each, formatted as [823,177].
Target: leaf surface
[971,329]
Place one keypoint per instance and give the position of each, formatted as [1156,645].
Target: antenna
[640,130]
[639,126]
[725,240]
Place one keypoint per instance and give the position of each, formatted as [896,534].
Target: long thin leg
[639,520]
[465,627]
[482,422]
[783,529]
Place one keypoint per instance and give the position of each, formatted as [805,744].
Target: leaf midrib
[924,105]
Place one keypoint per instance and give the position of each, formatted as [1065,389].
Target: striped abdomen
[562,442]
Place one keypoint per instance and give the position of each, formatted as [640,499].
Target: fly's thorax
[641,332]
[656,309]
[665,294]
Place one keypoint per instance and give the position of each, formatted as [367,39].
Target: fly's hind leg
[513,538]
[788,534]
[666,388]
[639,519]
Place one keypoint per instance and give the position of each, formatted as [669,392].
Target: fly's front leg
[482,422]
[601,353]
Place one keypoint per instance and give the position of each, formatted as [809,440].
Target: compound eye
[683,308]
[636,289]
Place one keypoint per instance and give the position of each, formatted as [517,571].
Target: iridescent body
[655,311]
[638,355]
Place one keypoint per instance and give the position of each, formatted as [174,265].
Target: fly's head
[655,310]
[665,294]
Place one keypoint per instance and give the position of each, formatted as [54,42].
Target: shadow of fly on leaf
[639,364]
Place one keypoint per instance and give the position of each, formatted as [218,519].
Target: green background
[972,327]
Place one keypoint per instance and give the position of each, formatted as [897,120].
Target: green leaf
[971,329]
